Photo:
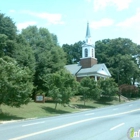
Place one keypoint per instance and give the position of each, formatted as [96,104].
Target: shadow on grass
[105,100]
[81,106]
[8,117]
[53,111]
[103,103]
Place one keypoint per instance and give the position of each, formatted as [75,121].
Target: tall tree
[115,53]
[7,27]
[49,57]
[74,52]
[15,83]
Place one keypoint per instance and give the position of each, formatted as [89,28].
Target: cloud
[51,18]
[132,22]
[102,4]
[23,25]
[102,23]
[12,11]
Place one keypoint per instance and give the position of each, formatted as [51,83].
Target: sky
[68,18]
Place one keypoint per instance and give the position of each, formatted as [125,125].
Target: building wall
[87,62]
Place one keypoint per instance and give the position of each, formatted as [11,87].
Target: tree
[3,41]
[89,89]
[15,83]
[7,27]
[74,52]
[129,90]
[108,86]
[24,54]
[49,57]
[115,53]
[61,86]
[128,70]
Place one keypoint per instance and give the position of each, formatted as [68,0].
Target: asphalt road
[109,123]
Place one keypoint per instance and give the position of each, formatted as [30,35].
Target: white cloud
[102,23]
[23,25]
[132,22]
[12,11]
[51,18]
[120,4]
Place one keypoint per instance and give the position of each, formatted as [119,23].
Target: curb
[11,121]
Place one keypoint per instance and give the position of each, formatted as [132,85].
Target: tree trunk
[55,105]
[119,98]
[84,100]
[0,109]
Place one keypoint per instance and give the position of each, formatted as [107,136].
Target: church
[88,65]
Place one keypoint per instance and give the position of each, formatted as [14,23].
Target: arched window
[86,52]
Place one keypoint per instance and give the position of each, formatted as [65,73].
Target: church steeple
[88,51]
[88,36]
[88,31]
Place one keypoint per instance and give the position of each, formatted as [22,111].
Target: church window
[86,52]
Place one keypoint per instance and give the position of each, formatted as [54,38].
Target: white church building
[88,65]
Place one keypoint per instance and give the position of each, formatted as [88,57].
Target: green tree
[73,51]
[108,86]
[61,86]
[7,27]
[48,56]
[89,89]
[24,54]
[128,70]
[15,83]
[115,53]
[3,41]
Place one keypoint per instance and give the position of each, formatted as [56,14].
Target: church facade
[88,65]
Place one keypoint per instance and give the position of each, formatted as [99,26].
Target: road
[109,123]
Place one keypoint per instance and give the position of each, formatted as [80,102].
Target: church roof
[97,69]
[73,68]
[88,31]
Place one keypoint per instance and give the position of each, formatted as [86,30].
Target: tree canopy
[15,83]
[118,54]
[61,86]
[89,89]
[73,51]
[7,27]
[34,49]
[49,57]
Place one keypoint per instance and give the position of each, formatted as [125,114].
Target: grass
[33,110]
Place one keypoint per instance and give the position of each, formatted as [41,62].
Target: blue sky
[68,18]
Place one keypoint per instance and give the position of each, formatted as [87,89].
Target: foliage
[89,89]
[74,52]
[61,86]
[15,83]
[115,53]
[129,90]
[24,54]
[49,57]
[108,86]
[7,27]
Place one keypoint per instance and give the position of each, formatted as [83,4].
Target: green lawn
[33,110]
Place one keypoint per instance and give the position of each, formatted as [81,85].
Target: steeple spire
[88,36]
[88,31]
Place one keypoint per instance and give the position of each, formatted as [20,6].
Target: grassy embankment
[33,110]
